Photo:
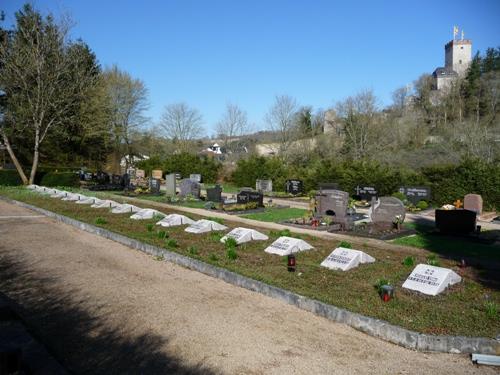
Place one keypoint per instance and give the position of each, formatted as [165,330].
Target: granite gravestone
[474,202]
[287,245]
[265,186]
[332,202]
[170,182]
[415,194]
[431,280]
[214,194]
[244,197]
[294,187]
[387,210]
[189,187]
[154,185]
[366,193]
[455,221]
[195,177]
[345,259]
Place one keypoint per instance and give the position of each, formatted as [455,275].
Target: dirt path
[101,307]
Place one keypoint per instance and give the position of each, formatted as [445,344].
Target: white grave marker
[345,259]
[203,226]
[125,208]
[287,245]
[174,220]
[59,194]
[431,280]
[105,204]
[242,235]
[71,197]
[146,213]
[88,200]
[32,187]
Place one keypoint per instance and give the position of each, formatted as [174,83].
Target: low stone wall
[371,326]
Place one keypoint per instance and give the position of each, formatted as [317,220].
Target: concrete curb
[371,326]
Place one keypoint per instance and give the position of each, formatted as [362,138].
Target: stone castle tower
[457,58]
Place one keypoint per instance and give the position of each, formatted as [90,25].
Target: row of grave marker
[426,279]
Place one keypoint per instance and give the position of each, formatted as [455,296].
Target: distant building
[457,58]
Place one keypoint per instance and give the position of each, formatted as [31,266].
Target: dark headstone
[366,193]
[386,209]
[294,187]
[126,181]
[116,179]
[88,176]
[214,194]
[474,202]
[455,221]
[102,178]
[332,203]
[189,187]
[245,197]
[415,194]
[154,185]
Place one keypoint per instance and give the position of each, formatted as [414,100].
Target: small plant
[213,257]
[491,309]
[230,243]
[231,253]
[158,257]
[172,243]
[422,205]
[157,217]
[345,244]
[400,196]
[409,261]
[162,234]
[215,236]
[100,221]
[380,283]
[149,227]
[193,250]
[432,260]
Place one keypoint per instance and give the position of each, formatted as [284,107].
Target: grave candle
[291,263]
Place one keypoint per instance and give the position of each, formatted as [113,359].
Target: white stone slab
[431,280]
[89,200]
[105,204]
[174,220]
[59,194]
[242,235]
[146,213]
[287,245]
[345,259]
[71,197]
[203,226]
[125,208]
[32,187]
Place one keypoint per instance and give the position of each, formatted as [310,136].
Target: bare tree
[43,80]
[232,124]
[182,125]
[281,119]
[128,101]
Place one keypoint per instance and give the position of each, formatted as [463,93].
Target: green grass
[277,215]
[469,308]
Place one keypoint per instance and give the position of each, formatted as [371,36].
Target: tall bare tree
[232,124]
[282,120]
[43,80]
[182,125]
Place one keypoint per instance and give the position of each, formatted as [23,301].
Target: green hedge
[9,177]
[70,179]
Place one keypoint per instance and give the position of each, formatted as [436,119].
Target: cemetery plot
[431,280]
[174,220]
[105,204]
[203,226]
[345,259]
[125,208]
[242,235]
[146,213]
[287,245]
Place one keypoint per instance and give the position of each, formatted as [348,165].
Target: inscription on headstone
[287,245]
[474,202]
[366,192]
[415,194]
[431,280]
[294,187]
[244,197]
[265,186]
[346,259]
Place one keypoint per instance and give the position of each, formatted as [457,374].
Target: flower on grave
[398,219]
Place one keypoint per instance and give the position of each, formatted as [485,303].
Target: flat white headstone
[287,245]
[174,220]
[59,194]
[88,200]
[242,235]
[105,204]
[32,187]
[146,213]
[431,280]
[345,259]
[125,208]
[74,197]
[203,226]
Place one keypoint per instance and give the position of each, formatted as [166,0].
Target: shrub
[69,179]
[162,234]
[231,253]
[345,244]
[230,243]
[400,196]
[149,227]
[409,261]
[9,178]
[172,243]
[422,205]
[100,221]
[216,236]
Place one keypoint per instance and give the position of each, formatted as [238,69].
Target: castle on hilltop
[457,58]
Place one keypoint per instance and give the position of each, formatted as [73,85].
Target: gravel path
[103,308]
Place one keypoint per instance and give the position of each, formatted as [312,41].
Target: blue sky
[208,53]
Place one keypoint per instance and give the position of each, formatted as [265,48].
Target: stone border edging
[371,326]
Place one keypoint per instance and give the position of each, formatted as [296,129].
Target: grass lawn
[470,308]
[277,214]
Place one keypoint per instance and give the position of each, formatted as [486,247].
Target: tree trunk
[34,166]
[13,157]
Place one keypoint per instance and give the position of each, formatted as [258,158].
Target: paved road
[103,308]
